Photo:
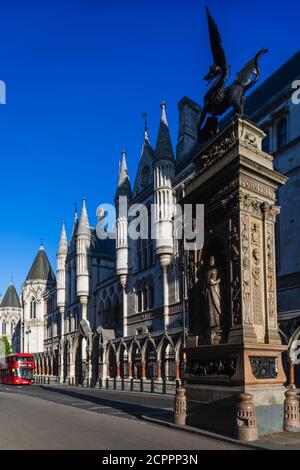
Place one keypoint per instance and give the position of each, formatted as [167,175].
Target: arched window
[281,133]
[139,253]
[69,284]
[107,312]
[116,310]
[101,314]
[4,327]
[138,294]
[150,241]
[150,293]
[76,319]
[32,308]
[145,297]
[12,327]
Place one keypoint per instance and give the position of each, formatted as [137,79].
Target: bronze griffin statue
[219,98]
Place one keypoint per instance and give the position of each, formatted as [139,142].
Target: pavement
[50,416]
[58,417]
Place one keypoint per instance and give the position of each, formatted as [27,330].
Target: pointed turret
[164,149]
[83,242]
[84,226]
[11,298]
[61,255]
[63,241]
[41,268]
[164,171]
[124,187]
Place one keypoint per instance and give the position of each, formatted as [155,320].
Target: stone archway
[136,361]
[79,372]
[123,361]
[112,362]
[66,363]
[150,360]
[168,360]
[95,359]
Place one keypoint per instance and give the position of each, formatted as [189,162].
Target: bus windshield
[24,373]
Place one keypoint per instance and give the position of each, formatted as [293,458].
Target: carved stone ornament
[264,367]
[216,152]
[271,273]
[234,241]
[270,211]
[256,272]
[246,277]
[222,368]
[251,142]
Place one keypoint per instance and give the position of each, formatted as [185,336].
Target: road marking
[80,404]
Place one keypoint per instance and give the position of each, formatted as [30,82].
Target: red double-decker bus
[17,369]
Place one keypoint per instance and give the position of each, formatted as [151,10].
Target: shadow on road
[133,409]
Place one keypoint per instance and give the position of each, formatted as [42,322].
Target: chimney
[189,115]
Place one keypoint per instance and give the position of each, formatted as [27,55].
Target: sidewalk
[276,441]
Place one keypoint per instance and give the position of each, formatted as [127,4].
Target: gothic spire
[124,187]
[84,226]
[164,147]
[63,241]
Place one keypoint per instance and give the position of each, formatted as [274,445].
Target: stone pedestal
[234,343]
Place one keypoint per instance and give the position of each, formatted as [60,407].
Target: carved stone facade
[237,184]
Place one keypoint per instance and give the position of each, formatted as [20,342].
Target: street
[42,417]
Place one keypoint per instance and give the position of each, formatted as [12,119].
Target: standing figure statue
[220,98]
[213,300]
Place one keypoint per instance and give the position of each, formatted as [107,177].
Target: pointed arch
[150,358]
[135,355]
[111,361]
[167,357]
[122,359]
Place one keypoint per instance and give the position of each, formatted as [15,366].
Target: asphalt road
[57,417]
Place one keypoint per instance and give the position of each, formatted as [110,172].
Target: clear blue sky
[79,73]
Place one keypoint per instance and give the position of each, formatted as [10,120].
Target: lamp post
[180,266]
[27,332]
[184,271]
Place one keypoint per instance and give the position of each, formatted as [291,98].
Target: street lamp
[27,332]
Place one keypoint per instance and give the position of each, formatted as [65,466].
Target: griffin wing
[217,49]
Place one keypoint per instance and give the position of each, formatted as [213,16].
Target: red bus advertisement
[17,369]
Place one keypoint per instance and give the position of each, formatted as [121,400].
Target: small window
[281,133]
[33,308]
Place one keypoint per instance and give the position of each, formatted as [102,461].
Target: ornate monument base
[234,344]
[218,374]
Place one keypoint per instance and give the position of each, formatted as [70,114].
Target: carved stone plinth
[232,297]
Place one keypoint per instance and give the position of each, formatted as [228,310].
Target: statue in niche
[213,301]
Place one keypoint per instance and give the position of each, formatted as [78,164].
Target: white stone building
[10,316]
[39,280]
